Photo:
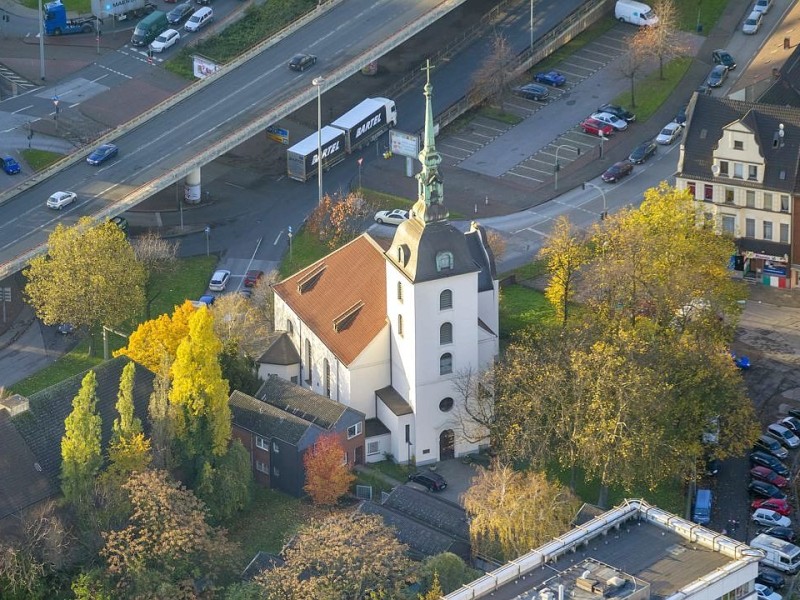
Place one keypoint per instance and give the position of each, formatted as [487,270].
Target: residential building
[390,332]
[284,421]
[740,162]
[632,552]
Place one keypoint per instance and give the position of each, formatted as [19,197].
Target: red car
[252,277]
[768,475]
[779,506]
[595,127]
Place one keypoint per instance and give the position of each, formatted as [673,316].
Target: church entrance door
[447,445]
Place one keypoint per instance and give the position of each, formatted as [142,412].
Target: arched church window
[445,364]
[446,299]
[446,334]
[400,325]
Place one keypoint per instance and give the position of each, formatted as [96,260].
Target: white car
[393,217]
[200,18]
[752,23]
[770,518]
[762,6]
[61,199]
[670,133]
[609,119]
[784,435]
[167,39]
[219,280]
[766,593]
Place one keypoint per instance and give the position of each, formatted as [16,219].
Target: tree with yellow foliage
[80,446]
[565,253]
[158,338]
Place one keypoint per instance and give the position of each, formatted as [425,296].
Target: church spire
[430,198]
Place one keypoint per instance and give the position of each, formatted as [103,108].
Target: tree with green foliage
[81,455]
[88,277]
[129,450]
[162,432]
[199,394]
[565,253]
[449,570]
[226,483]
[239,370]
[434,591]
[91,585]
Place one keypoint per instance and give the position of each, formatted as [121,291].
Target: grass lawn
[522,307]
[82,7]
[708,12]
[40,159]
[387,467]
[651,92]
[492,112]
[72,363]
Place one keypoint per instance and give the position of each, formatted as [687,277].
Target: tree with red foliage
[328,476]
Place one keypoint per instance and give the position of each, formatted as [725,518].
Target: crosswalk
[22,85]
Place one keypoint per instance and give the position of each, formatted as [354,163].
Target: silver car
[752,23]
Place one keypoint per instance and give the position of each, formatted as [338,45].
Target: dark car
[120,222]
[179,13]
[768,475]
[102,154]
[713,466]
[532,91]
[767,443]
[65,328]
[252,277]
[680,116]
[617,111]
[763,489]
[553,78]
[782,533]
[792,423]
[723,57]
[794,412]
[643,151]
[770,578]
[433,481]
[617,171]
[717,76]
[10,166]
[767,460]
[301,62]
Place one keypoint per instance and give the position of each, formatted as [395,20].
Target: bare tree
[473,413]
[263,298]
[663,41]
[156,255]
[240,323]
[633,60]
[493,78]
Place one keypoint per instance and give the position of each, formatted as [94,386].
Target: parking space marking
[458,159]
[572,65]
[547,173]
[523,177]
[603,54]
[460,139]
[619,49]
[586,58]
[459,148]
[489,127]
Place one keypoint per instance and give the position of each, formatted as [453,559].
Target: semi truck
[301,159]
[56,21]
[364,123]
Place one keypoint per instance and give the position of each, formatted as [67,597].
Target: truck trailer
[364,123]
[56,21]
[301,159]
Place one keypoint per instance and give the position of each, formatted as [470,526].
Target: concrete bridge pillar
[191,187]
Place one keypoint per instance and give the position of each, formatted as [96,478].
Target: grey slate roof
[785,91]
[708,115]
[21,483]
[280,350]
[267,421]
[42,426]
[394,401]
[302,403]
[373,427]
[421,540]
[431,510]
[482,255]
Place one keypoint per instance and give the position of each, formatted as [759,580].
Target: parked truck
[56,21]
[364,123]
[301,159]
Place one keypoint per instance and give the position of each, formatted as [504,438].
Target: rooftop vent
[309,280]
[344,320]
[15,404]
[777,139]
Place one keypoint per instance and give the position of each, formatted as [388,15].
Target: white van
[199,19]
[778,554]
[636,13]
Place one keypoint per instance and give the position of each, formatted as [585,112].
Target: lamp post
[207,230]
[557,166]
[41,41]
[318,82]
[604,214]
[602,139]
[531,27]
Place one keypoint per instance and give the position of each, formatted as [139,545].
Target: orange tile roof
[341,297]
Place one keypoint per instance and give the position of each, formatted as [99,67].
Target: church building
[391,332]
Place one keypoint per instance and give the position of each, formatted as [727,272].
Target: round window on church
[446,405]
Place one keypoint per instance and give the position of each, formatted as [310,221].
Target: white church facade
[388,331]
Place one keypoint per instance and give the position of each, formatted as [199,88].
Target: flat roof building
[632,552]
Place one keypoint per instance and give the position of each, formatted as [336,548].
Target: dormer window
[444,261]
[738,145]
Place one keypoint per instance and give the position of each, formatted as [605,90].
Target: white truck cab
[636,13]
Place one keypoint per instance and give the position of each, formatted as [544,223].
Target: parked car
[532,91]
[179,13]
[61,199]
[120,222]
[782,533]
[752,23]
[595,127]
[767,443]
[205,300]
[762,6]
[609,119]
[743,362]
[301,62]
[765,459]
[617,111]
[643,151]
[765,490]
[553,78]
[10,166]
[723,57]
[765,592]
[393,217]
[65,328]
[669,134]
[784,435]
[219,280]
[199,19]
[768,475]
[779,505]
[617,171]
[166,40]
[102,154]
[770,578]
[794,412]
[713,466]
[769,518]
[433,481]
[252,277]
[680,116]
[792,423]
[717,76]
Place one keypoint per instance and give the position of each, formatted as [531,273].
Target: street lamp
[531,27]
[604,214]
[41,41]
[207,231]
[318,82]
[602,139]
[557,166]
